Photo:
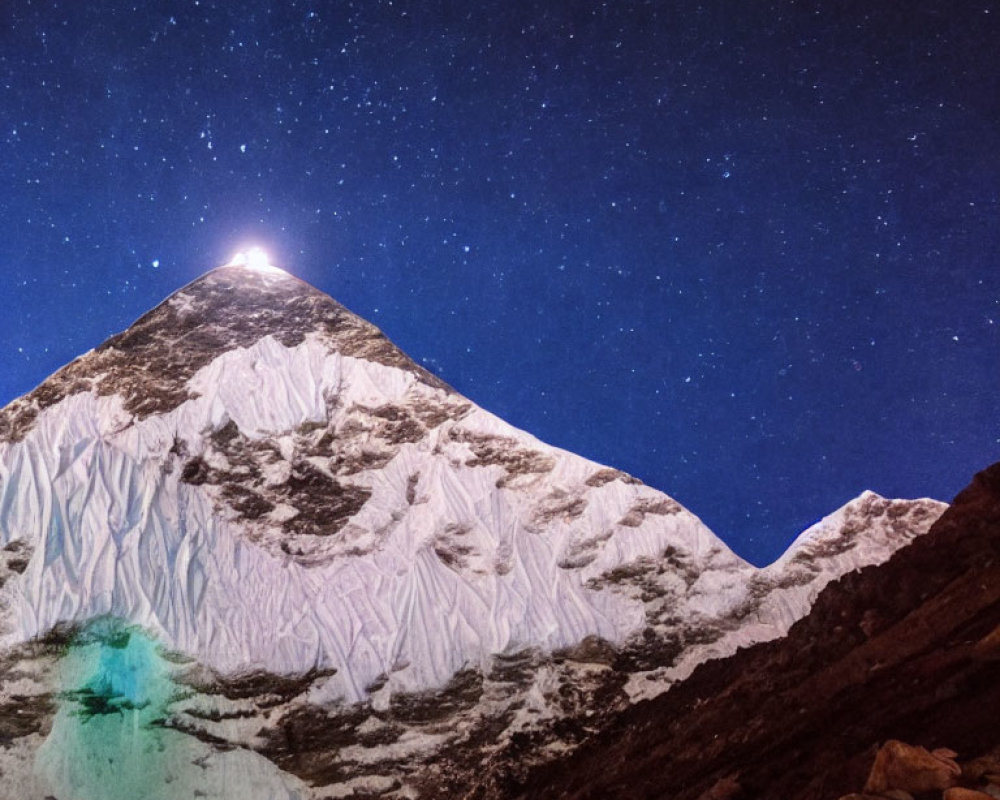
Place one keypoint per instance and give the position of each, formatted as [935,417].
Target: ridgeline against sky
[747,254]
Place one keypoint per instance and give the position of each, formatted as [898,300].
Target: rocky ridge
[902,651]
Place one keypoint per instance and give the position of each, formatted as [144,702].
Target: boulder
[912,769]
[958,793]
[986,768]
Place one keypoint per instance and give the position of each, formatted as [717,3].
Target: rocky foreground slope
[249,549]
[908,650]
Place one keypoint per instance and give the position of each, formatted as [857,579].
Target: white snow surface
[114,531]
[865,531]
[96,497]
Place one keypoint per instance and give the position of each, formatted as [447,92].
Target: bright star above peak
[255,258]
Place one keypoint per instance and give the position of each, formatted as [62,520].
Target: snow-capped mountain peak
[233,306]
[261,481]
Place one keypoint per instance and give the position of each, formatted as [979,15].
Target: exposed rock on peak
[149,364]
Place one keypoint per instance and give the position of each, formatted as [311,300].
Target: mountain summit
[232,306]
[251,543]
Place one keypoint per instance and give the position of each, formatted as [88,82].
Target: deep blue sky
[745,251]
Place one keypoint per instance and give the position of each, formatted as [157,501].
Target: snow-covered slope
[266,486]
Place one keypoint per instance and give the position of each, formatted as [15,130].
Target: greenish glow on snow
[108,740]
[104,741]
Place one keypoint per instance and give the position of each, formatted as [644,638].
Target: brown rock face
[911,769]
[958,793]
[907,650]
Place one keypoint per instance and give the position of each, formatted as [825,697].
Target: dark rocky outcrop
[907,650]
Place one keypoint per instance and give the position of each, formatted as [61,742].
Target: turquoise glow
[108,739]
[105,742]
[124,673]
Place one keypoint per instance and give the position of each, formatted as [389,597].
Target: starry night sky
[745,251]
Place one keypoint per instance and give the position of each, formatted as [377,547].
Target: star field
[747,252]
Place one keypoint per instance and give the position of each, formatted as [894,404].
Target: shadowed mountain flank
[905,650]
